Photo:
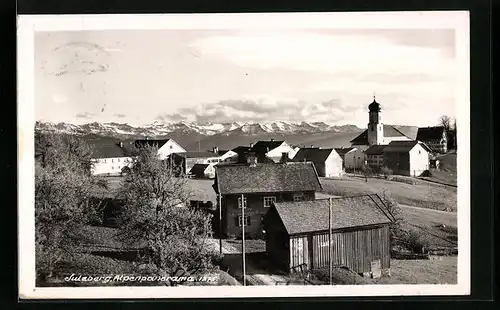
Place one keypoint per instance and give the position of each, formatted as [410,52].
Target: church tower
[375,127]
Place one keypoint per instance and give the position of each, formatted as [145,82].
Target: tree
[63,196]
[445,121]
[157,214]
[385,171]
[397,231]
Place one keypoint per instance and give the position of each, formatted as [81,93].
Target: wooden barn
[297,233]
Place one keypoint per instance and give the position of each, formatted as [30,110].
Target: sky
[230,75]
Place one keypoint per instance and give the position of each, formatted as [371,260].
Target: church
[374,145]
[378,133]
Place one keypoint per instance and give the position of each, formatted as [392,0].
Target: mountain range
[198,137]
[162,129]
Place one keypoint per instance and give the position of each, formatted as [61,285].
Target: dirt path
[257,277]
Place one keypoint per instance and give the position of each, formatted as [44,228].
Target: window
[112,160]
[104,160]
[112,168]
[298,197]
[118,159]
[244,202]
[419,152]
[268,200]
[171,147]
[247,221]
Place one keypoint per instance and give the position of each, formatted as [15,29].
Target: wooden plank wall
[354,249]
[299,252]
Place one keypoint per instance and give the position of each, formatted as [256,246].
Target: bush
[385,171]
[426,173]
[416,242]
[340,275]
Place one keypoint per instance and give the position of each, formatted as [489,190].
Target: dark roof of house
[240,150]
[375,150]
[389,131]
[199,169]
[112,150]
[404,146]
[262,147]
[347,212]
[266,178]
[343,150]
[197,154]
[315,155]
[151,142]
[430,133]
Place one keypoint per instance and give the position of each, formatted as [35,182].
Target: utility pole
[243,205]
[220,222]
[330,247]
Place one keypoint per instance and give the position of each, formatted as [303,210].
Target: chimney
[251,144]
[121,144]
[312,146]
[252,159]
[284,158]
[272,140]
[147,138]
[216,150]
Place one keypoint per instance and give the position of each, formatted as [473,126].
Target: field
[423,194]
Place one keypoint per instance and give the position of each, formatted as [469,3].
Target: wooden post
[243,238]
[330,247]
[220,221]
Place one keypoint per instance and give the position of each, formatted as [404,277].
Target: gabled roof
[241,150]
[151,142]
[404,146]
[198,154]
[262,147]
[389,131]
[266,178]
[199,169]
[315,155]
[343,150]
[347,212]
[430,133]
[112,150]
[375,150]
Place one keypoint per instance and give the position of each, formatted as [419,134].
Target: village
[283,214]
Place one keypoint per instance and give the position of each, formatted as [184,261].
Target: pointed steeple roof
[374,106]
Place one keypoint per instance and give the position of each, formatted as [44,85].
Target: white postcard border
[28,25]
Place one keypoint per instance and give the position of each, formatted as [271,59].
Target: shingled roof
[315,155]
[199,169]
[112,150]
[375,150]
[404,146]
[343,150]
[389,131]
[430,133]
[347,212]
[151,142]
[266,178]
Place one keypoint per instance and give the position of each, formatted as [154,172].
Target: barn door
[299,250]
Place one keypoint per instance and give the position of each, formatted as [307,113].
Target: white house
[327,162]
[203,171]
[407,157]
[110,159]
[166,147]
[272,149]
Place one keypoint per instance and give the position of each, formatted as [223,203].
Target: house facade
[296,236]
[109,159]
[254,187]
[434,137]
[327,162]
[409,158]
[375,156]
[355,158]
